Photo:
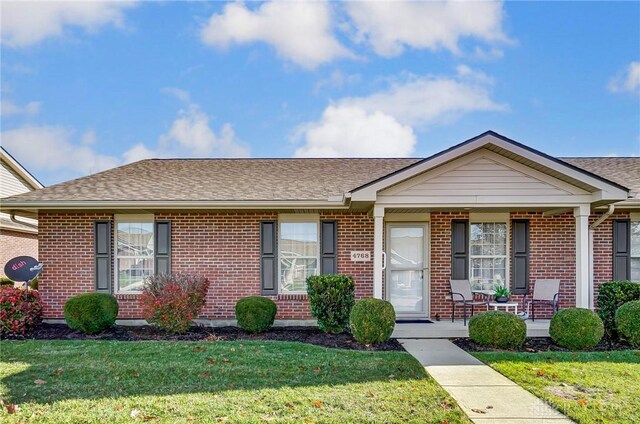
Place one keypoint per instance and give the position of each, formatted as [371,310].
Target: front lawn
[249,381]
[589,387]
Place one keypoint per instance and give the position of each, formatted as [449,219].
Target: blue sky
[88,86]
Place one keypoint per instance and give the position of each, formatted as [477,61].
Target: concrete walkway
[485,395]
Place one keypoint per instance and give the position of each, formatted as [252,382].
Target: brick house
[489,209]
[18,236]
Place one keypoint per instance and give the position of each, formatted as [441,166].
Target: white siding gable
[480,177]
[11,183]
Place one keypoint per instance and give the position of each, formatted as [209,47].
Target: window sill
[292,296]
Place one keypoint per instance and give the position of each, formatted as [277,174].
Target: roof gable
[479,173]
[600,188]
[18,171]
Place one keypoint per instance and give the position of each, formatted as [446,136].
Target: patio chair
[460,291]
[544,291]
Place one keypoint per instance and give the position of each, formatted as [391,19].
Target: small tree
[172,301]
[331,299]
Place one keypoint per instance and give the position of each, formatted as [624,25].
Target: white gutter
[26,224]
[175,204]
[592,230]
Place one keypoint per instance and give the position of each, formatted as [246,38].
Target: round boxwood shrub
[91,313]
[372,320]
[255,314]
[628,322]
[576,328]
[497,329]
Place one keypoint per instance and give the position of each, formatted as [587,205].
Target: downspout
[26,224]
[592,230]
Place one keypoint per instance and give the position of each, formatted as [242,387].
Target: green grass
[252,381]
[589,387]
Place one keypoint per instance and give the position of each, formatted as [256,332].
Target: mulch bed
[537,344]
[311,335]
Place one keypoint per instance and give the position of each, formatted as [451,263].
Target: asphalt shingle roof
[262,179]
[222,179]
[624,171]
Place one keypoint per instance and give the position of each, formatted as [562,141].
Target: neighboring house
[18,236]
[489,209]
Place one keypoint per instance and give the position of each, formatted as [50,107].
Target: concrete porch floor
[448,329]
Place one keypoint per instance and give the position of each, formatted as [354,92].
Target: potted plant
[501,294]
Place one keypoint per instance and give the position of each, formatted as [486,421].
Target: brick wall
[225,247]
[603,250]
[552,254]
[66,249]
[441,261]
[15,243]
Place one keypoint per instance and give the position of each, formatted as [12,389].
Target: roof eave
[7,206]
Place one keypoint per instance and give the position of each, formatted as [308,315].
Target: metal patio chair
[544,292]
[460,291]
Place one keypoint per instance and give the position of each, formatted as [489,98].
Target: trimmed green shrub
[20,310]
[372,320]
[255,314]
[4,281]
[611,296]
[331,299]
[628,322]
[576,328]
[91,313]
[497,329]
[173,301]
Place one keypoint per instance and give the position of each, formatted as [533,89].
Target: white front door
[407,269]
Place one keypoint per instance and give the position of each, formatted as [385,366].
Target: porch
[447,329]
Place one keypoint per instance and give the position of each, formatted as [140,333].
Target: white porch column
[581,213]
[378,233]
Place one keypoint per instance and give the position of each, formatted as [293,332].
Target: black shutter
[621,249]
[163,247]
[520,255]
[102,254]
[329,247]
[459,249]
[268,258]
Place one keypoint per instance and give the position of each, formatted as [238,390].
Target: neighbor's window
[635,251]
[134,255]
[488,254]
[299,248]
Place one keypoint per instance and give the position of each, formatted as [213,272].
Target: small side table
[505,305]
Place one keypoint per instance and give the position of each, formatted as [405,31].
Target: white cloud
[191,135]
[426,100]
[391,26]
[138,152]
[25,22]
[8,108]
[89,138]
[299,31]
[345,131]
[381,125]
[50,148]
[488,54]
[627,81]
[337,80]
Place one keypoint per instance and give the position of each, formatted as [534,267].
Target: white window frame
[492,218]
[130,219]
[297,219]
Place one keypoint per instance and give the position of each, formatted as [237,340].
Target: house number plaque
[360,256]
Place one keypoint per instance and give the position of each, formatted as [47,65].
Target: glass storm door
[407,269]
